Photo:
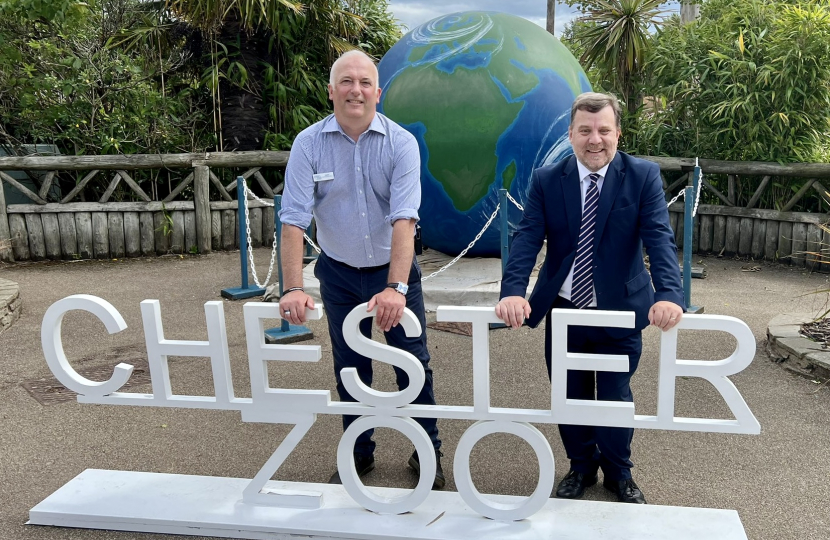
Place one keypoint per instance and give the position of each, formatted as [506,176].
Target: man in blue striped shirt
[357,173]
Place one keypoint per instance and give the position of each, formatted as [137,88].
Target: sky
[414,12]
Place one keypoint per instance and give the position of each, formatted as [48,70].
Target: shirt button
[370,256]
[363,214]
[367,236]
[358,168]
[361,192]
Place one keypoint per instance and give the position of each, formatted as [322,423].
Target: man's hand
[390,304]
[665,315]
[293,306]
[513,310]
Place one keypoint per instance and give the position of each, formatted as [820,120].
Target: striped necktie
[582,289]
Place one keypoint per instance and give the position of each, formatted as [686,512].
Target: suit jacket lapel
[610,188]
[572,197]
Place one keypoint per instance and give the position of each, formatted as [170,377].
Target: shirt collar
[584,172]
[331,125]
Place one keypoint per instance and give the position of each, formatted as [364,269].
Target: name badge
[322,177]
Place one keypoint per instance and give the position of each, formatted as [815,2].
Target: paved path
[779,481]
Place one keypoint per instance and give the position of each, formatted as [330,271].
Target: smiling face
[354,92]
[594,137]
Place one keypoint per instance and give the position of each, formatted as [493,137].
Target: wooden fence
[103,229]
[746,231]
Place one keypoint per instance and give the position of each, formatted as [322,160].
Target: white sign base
[211,506]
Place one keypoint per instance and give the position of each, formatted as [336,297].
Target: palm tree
[550,25]
[616,40]
[689,10]
[256,46]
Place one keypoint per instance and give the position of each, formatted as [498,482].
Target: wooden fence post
[5,235]
[201,205]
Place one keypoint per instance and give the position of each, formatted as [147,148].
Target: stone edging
[10,303]
[786,344]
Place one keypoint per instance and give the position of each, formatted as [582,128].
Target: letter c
[50,338]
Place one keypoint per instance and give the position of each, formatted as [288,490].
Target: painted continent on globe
[488,97]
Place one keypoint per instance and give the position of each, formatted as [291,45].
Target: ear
[378,98]
[331,92]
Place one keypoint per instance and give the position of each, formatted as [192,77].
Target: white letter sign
[395,410]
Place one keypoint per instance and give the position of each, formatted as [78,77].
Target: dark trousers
[593,447]
[343,287]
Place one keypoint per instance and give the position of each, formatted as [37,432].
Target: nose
[594,137]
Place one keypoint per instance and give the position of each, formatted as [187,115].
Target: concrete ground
[779,482]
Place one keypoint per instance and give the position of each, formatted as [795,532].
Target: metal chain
[248,235]
[311,243]
[307,239]
[697,193]
[519,206]
[681,194]
[469,246]
[699,188]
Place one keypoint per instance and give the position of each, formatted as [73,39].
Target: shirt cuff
[296,218]
[407,213]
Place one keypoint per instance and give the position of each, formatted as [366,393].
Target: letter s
[383,353]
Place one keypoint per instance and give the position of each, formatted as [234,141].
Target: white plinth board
[211,506]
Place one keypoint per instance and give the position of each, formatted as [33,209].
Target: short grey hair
[593,102]
[346,55]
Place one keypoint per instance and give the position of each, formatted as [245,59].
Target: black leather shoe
[627,491]
[439,481]
[362,464]
[574,484]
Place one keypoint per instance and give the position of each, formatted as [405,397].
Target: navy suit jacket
[632,213]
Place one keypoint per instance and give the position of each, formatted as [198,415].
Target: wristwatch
[402,288]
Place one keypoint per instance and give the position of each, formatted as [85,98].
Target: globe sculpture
[488,97]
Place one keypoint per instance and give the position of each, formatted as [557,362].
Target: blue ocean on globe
[488,97]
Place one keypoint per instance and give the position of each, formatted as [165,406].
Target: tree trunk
[689,10]
[244,116]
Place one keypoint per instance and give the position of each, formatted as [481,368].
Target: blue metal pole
[243,235]
[286,333]
[284,326]
[505,232]
[688,231]
[245,291]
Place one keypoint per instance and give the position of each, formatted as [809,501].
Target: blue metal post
[688,230]
[243,231]
[245,291]
[284,326]
[504,221]
[286,333]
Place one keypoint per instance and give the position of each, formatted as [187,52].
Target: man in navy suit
[597,210]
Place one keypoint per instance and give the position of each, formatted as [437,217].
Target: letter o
[495,510]
[360,493]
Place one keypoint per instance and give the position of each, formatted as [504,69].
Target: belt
[359,268]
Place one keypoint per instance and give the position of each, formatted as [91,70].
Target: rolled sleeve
[405,188]
[298,195]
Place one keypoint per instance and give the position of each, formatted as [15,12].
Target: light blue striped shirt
[354,190]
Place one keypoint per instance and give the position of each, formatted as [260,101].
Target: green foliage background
[748,81]
[60,83]
[169,76]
